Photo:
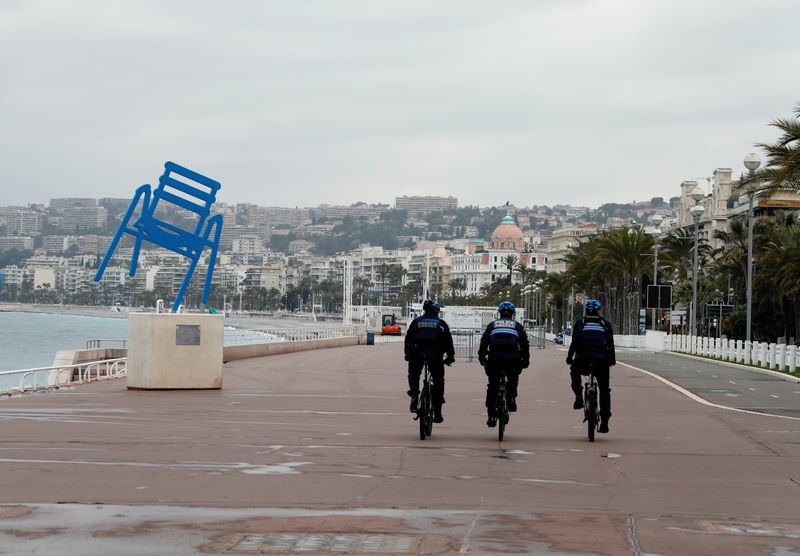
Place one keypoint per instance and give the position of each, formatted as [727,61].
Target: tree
[510,261]
[457,285]
[782,168]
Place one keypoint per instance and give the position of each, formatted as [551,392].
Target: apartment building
[425,204]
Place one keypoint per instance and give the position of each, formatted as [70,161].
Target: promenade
[315,453]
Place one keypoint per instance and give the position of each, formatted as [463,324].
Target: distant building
[76,202]
[20,243]
[419,204]
[20,221]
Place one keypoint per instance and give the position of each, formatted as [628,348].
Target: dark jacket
[592,342]
[428,336]
[505,337]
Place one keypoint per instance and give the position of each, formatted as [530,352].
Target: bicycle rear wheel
[591,414]
[422,414]
[502,416]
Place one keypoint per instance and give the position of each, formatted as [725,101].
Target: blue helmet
[592,306]
[431,306]
[506,307]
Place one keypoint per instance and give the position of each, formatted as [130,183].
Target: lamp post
[696,211]
[751,162]
[657,219]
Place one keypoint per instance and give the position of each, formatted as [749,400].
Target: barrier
[779,357]
[43,378]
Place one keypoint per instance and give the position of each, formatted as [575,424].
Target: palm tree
[510,261]
[783,157]
[559,287]
[778,274]
[456,285]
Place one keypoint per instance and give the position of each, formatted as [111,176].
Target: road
[315,453]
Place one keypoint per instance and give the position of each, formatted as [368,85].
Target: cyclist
[504,346]
[592,352]
[428,338]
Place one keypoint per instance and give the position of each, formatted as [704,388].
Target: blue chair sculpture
[185,189]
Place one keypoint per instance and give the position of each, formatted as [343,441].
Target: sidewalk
[305,448]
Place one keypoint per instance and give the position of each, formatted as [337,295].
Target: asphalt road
[727,385]
[316,453]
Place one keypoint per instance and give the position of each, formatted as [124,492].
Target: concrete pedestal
[174,351]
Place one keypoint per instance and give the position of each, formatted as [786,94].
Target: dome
[507,235]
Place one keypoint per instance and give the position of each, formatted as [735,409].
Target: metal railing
[98,343]
[43,378]
[467,342]
[241,337]
[536,336]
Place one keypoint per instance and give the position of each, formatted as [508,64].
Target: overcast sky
[302,102]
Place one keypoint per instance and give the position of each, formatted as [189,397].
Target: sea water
[29,340]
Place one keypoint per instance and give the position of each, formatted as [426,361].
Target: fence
[238,337]
[25,380]
[104,342]
[467,342]
[536,336]
[778,357]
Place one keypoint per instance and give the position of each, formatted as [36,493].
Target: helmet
[592,306]
[431,306]
[506,307]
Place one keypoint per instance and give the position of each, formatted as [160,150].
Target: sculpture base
[170,351]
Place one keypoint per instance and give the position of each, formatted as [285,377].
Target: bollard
[747,353]
[762,354]
[780,357]
[738,351]
[771,349]
[792,358]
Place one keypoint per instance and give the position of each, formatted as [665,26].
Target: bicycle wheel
[591,413]
[429,419]
[422,414]
[502,415]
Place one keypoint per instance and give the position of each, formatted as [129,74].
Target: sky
[304,102]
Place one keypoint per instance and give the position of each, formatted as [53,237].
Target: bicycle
[501,407]
[591,410]
[425,405]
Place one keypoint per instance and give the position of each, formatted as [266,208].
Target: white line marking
[774,396]
[751,389]
[731,382]
[556,482]
[698,399]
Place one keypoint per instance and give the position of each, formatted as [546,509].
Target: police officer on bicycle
[504,346]
[592,352]
[428,338]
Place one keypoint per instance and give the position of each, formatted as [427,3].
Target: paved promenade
[316,453]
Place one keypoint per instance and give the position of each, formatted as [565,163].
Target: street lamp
[696,211]
[657,219]
[751,162]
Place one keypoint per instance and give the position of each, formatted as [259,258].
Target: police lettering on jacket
[504,335]
[429,332]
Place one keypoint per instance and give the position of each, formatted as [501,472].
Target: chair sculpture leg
[181,292]
[216,222]
[123,227]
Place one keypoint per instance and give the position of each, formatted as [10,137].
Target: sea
[30,340]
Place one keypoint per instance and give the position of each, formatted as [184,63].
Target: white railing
[240,337]
[42,378]
[779,357]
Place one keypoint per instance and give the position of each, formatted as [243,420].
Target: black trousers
[494,367]
[602,374]
[437,373]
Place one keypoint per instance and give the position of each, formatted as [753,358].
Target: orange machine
[389,326]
